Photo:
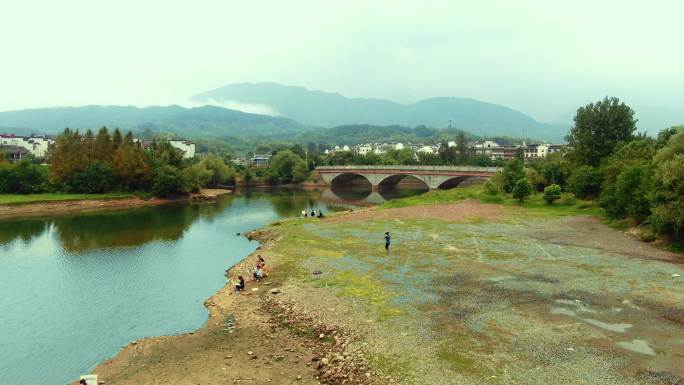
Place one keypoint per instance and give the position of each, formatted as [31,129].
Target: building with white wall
[37,146]
[186,146]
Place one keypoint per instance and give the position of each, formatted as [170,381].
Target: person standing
[387,242]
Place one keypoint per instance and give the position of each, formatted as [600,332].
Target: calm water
[75,289]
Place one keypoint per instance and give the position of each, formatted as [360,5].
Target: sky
[544,58]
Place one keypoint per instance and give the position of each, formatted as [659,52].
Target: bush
[522,189]
[168,181]
[490,188]
[585,182]
[197,176]
[512,173]
[567,199]
[552,193]
[24,177]
[97,178]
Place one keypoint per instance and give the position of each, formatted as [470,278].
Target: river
[76,288]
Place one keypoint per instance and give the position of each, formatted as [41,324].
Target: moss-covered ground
[536,295]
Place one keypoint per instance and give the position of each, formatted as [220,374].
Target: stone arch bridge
[387,176]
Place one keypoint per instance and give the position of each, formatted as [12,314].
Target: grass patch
[535,203]
[51,197]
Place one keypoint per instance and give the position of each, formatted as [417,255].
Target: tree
[130,167]
[24,177]
[197,176]
[103,146]
[512,172]
[449,155]
[631,192]
[462,148]
[67,156]
[117,140]
[219,172]
[535,178]
[585,182]
[522,189]
[665,135]
[598,129]
[168,181]
[552,193]
[89,145]
[288,167]
[667,197]
[163,152]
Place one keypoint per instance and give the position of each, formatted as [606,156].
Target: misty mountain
[329,109]
[206,121]
[649,119]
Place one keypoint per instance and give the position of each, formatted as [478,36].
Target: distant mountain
[649,119]
[329,109]
[206,121]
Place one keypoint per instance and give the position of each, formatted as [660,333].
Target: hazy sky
[541,57]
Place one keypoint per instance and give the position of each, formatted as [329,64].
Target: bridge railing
[408,168]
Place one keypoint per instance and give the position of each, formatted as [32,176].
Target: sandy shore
[88,205]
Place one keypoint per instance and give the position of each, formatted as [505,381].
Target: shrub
[97,178]
[168,181]
[522,189]
[490,188]
[552,193]
[567,199]
[585,182]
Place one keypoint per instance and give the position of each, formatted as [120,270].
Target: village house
[13,153]
[36,145]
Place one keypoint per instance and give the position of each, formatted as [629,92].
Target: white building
[36,145]
[364,149]
[186,146]
[426,150]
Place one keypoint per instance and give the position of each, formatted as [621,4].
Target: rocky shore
[261,336]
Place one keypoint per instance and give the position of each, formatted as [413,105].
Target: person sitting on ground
[304,213]
[259,272]
[240,286]
[313,213]
[262,263]
[320,214]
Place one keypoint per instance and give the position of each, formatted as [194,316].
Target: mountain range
[302,115]
[325,109]
[205,121]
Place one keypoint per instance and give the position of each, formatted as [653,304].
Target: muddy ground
[469,294]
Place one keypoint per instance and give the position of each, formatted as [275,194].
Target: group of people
[258,273]
[313,213]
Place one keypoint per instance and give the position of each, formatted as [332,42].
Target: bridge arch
[351,179]
[392,181]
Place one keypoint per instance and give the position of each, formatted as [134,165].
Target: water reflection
[78,233]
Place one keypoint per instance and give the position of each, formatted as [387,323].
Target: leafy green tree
[449,155]
[552,193]
[665,135]
[585,182]
[197,176]
[598,129]
[512,173]
[103,148]
[405,156]
[168,181]
[667,196]
[536,180]
[462,148]
[288,167]
[24,177]
[631,192]
[162,151]
[522,190]
[97,178]
[220,173]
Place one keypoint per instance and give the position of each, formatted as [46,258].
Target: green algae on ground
[475,300]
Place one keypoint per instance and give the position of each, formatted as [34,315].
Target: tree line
[631,176]
[102,163]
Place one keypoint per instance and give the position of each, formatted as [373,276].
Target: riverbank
[471,293]
[43,204]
